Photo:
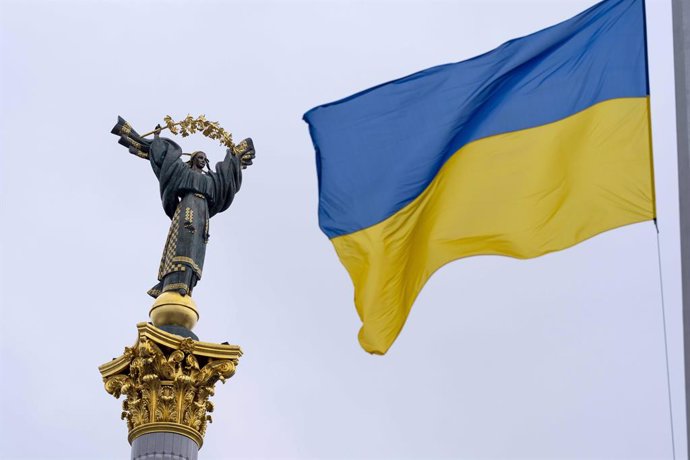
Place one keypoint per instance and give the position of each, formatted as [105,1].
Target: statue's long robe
[190,198]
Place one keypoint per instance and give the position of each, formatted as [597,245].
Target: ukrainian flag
[530,148]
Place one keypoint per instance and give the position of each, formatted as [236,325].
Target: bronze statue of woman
[190,196]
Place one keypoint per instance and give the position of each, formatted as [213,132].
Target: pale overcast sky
[556,357]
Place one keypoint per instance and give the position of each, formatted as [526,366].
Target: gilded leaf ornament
[190,125]
[167,382]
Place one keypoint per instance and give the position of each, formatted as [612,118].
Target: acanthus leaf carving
[166,385]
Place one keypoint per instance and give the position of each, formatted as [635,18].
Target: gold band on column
[166,427]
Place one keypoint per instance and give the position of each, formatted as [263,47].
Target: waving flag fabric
[528,149]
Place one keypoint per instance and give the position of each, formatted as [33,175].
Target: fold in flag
[530,148]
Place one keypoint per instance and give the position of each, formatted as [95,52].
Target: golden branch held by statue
[190,125]
[139,145]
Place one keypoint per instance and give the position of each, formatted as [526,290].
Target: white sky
[556,357]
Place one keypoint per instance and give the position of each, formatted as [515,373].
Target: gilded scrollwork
[170,385]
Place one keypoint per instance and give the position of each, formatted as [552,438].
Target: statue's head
[198,161]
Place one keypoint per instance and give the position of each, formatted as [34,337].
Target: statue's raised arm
[136,144]
[191,193]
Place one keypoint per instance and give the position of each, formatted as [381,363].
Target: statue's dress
[190,198]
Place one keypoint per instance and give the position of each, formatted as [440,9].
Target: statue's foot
[183,292]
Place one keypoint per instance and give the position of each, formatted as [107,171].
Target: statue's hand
[246,157]
[245,150]
[157,133]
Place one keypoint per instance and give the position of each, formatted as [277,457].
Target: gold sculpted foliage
[167,386]
[190,125]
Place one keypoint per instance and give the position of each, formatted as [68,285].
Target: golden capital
[167,381]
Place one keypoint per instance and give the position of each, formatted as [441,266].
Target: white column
[164,446]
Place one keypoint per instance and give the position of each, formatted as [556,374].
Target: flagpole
[681,40]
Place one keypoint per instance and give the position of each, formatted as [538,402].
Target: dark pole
[681,44]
